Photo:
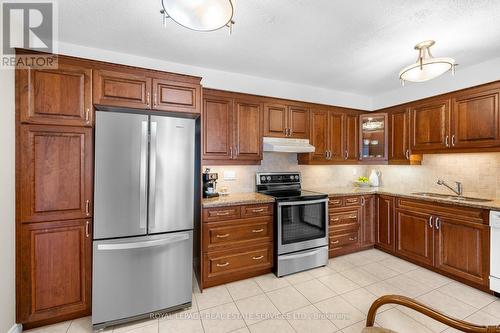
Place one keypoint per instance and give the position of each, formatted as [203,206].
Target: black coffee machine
[210,184]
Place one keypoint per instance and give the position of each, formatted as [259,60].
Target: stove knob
[263,178]
[268,178]
[296,177]
[291,177]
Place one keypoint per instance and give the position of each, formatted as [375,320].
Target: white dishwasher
[495,251]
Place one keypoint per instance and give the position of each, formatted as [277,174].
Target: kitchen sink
[451,197]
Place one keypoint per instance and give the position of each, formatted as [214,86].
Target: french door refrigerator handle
[152,175]
[142,244]
[143,175]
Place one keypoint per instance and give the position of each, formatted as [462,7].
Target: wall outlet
[229,175]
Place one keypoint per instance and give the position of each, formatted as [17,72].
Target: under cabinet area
[237,242]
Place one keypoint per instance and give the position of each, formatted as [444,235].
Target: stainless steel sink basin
[450,197]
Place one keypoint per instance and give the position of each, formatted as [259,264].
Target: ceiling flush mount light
[427,67]
[199,15]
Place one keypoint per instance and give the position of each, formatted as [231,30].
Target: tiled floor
[335,298]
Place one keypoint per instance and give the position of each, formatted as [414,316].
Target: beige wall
[479,173]
[7,201]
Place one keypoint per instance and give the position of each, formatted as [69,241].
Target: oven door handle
[300,255]
[305,202]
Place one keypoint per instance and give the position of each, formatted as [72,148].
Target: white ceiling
[352,46]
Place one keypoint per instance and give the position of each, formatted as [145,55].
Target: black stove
[285,186]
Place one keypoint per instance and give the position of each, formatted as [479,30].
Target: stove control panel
[265,178]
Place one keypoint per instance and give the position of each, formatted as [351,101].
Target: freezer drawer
[140,275]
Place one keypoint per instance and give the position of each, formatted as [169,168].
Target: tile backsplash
[479,173]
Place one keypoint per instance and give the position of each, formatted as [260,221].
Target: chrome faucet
[458,189]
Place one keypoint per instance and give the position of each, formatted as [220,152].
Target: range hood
[288,145]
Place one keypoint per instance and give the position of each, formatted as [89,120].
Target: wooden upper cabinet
[247,130]
[415,236]
[319,134]
[373,137]
[122,89]
[176,96]
[337,136]
[54,270]
[399,146]
[475,120]
[462,248]
[61,96]
[298,122]
[275,120]
[430,126]
[351,152]
[385,222]
[217,117]
[55,173]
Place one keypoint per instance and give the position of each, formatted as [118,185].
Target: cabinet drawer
[221,213]
[335,202]
[234,233]
[346,217]
[235,261]
[352,201]
[176,96]
[256,210]
[348,239]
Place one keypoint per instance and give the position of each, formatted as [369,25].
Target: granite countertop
[234,199]
[343,191]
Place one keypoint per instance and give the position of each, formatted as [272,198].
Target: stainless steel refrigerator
[144,191]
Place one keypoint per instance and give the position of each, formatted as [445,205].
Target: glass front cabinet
[373,136]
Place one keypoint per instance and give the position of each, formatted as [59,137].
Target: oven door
[302,225]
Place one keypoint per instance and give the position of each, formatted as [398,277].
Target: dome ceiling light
[427,67]
[199,15]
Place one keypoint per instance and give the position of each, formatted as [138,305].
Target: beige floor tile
[340,312]
[493,309]
[384,288]
[241,330]
[411,287]
[361,277]
[428,278]
[192,312]
[468,294]
[257,308]
[478,318]
[55,328]
[213,297]
[397,321]
[299,277]
[133,326]
[357,259]
[270,282]
[429,323]
[221,319]
[287,299]
[339,265]
[314,290]
[81,325]
[339,283]
[243,289]
[272,326]
[321,271]
[376,255]
[184,322]
[356,328]
[361,299]
[310,319]
[380,271]
[399,265]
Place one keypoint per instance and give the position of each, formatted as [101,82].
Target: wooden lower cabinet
[54,271]
[385,223]
[237,243]
[368,215]
[415,236]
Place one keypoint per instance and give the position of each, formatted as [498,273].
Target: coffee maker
[210,184]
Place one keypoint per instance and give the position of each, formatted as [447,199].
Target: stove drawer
[237,233]
[221,213]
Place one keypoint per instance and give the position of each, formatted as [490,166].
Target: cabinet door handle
[291,131]
[231,152]
[87,116]
[430,221]
[335,242]
[87,229]
[407,154]
[258,210]
[437,223]
[447,141]
[223,265]
[335,219]
[353,238]
[362,201]
[256,231]
[222,236]
[257,258]
[346,154]
[353,216]
[335,202]
[222,213]
[87,207]
[352,200]
[148,97]
[453,140]
[284,131]
[155,102]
